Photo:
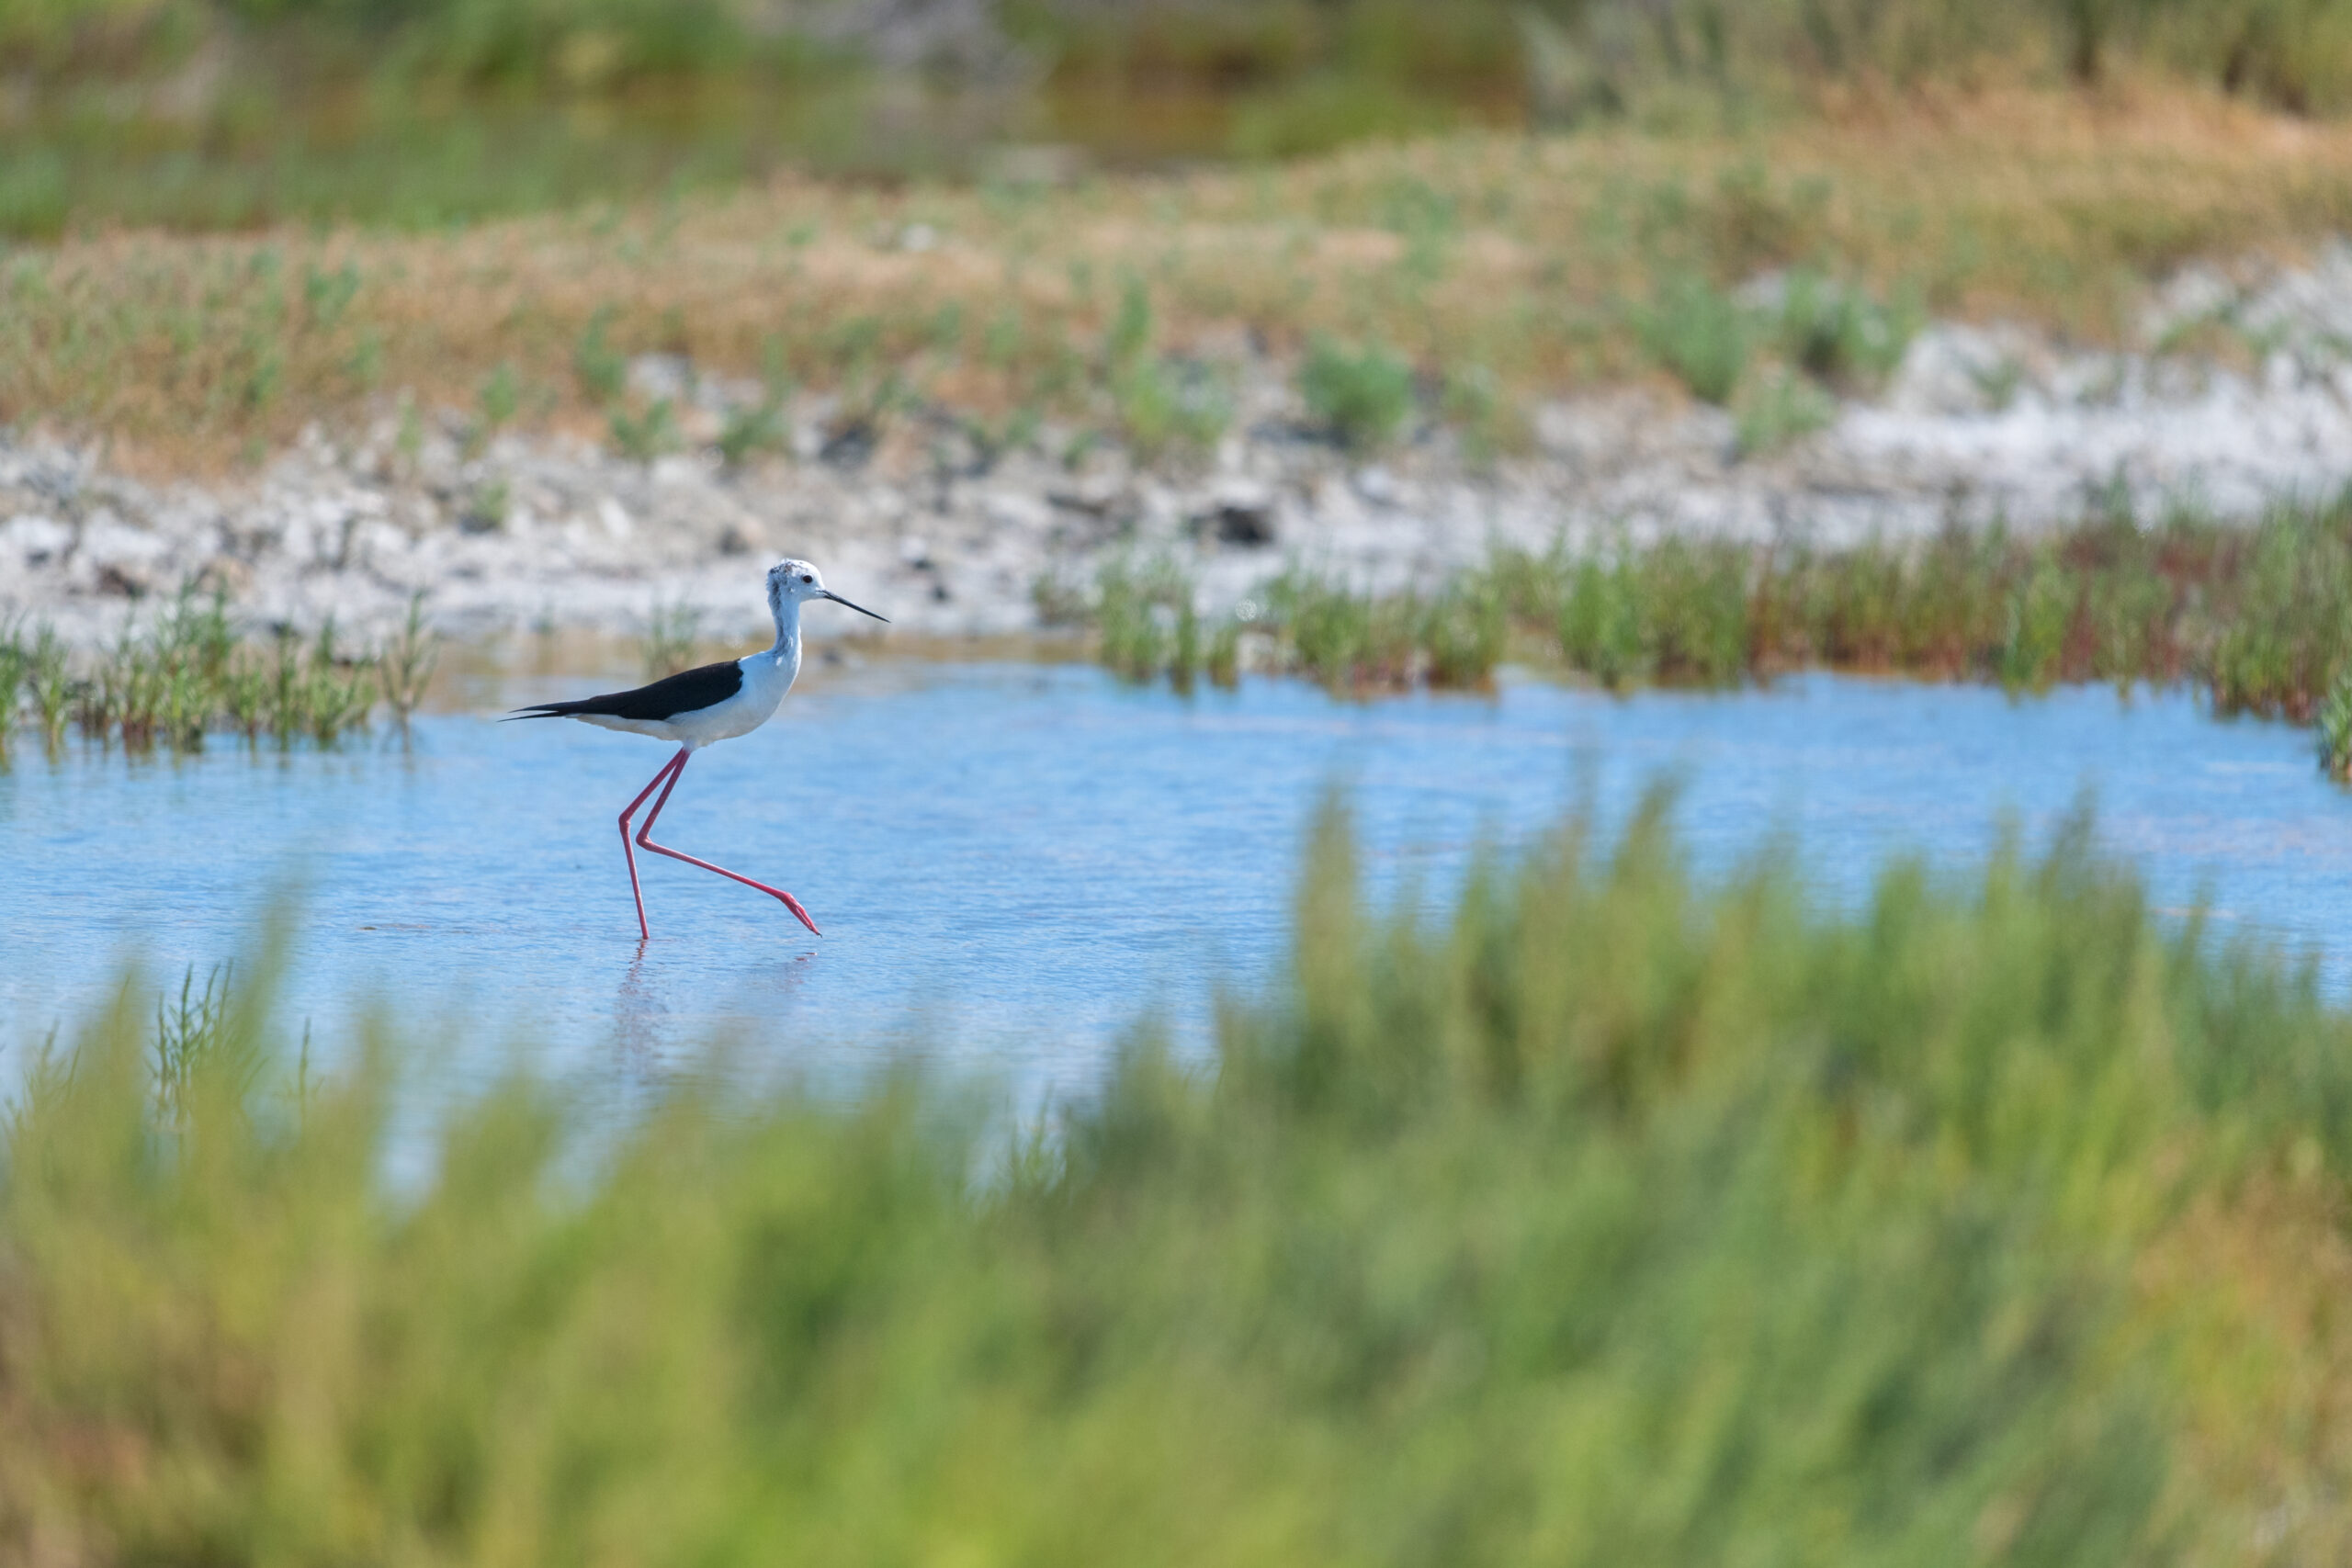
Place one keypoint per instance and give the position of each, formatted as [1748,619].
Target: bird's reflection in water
[648,1048]
[640,1021]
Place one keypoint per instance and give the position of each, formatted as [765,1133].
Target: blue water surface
[1013,863]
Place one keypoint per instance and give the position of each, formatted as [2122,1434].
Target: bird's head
[795,582]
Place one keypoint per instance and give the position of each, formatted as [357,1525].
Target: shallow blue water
[1012,862]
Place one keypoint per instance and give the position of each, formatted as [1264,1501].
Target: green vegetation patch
[1362,396]
[1612,1220]
[2254,615]
[1164,405]
[189,673]
[1698,333]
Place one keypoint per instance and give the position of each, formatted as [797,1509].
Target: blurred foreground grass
[1611,1221]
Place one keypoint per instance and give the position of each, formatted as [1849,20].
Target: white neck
[787,629]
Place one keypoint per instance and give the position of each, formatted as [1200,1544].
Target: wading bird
[694,708]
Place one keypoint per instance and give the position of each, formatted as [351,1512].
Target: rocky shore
[2237,396]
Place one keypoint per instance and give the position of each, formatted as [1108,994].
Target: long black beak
[829,593]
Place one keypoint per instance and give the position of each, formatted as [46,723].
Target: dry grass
[1522,256]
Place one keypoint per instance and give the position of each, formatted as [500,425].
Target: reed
[672,633]
[49,686]
[2249,614]
[194,1037]
[404,669]
[1145,620]
[16,673]
[188,674]
[1346,639]
[2335,726]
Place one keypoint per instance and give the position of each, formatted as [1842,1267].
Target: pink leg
[645,842]
[670,772]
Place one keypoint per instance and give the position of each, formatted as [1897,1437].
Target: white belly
[738,715]
[656,726]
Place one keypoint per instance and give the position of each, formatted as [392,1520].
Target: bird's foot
[802,915]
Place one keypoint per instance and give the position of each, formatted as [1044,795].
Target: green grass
[1147,621]
[2250,616]
[1163,404]
[1148,625]
[643,435]
[1828,336]
[187,673]
[1841,334]
[1700,333]
[1609,1220]
[673,633]
[1362,396]
[2335,725]
[1776,410]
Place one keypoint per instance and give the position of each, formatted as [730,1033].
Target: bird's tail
[612,704]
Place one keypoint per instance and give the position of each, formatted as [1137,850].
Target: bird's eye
[807,579]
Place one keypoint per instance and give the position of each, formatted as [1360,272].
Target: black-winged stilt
[694,708]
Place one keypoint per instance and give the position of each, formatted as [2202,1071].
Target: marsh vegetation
[2251,615]
[191,669]
[2248,614]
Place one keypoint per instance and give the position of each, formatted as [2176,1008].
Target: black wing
[689,691]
